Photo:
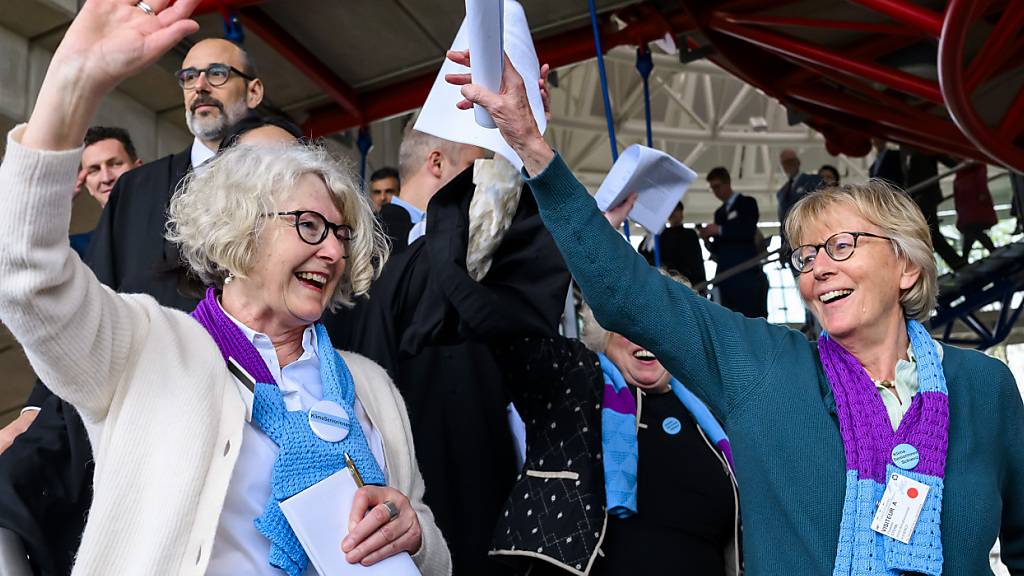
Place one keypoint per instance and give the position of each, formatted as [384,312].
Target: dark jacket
[453,388]
[887,167]
[792,191]
[918,167]
[736,243]
[680,251]
[46,474]
[396,223]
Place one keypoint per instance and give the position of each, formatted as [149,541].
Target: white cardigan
[163,413]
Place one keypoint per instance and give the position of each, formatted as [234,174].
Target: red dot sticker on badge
[912,492]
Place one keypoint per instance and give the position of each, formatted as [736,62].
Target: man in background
[732,240]
[384,185]
[798,185]
[425,163]
[107,154]
[679,248]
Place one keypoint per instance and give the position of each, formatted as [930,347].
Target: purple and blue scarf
[869,442]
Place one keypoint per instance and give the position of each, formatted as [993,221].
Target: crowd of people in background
[234,292]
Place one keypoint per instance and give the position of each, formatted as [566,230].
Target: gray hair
[218,216]
[895,213]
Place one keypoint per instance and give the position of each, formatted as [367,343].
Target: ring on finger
[145,7]
[392,509]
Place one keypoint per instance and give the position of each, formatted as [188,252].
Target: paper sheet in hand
[319,517]
[486,44]
[658,179]
[441,118]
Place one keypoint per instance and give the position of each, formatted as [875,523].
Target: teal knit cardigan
[767,387]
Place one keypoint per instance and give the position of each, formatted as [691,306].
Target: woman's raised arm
[718,353]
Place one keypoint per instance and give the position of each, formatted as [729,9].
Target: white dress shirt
[200,155]
[239,548]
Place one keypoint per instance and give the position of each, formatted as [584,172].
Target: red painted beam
[825,23]
[913,15]
[258,21]
[788,46]
[644,24]
[1000,46]
[952,45]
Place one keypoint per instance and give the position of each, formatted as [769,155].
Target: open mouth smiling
[644,356]
[834,296]
[315,280]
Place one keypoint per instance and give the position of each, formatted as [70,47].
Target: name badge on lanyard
[900,507]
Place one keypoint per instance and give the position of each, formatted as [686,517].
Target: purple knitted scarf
[869,441]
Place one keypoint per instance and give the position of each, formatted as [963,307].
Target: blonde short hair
[895,213]
[218,215]
[593,335]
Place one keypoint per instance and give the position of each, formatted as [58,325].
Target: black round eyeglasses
[839,247]
[313,227]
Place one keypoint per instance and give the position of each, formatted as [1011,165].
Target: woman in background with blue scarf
[626,470]
[203,425]
[875,450]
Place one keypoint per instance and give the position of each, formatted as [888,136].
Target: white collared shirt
[200,155]
[238,547]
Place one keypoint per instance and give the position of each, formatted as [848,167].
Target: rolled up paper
[441,118]
[485,21]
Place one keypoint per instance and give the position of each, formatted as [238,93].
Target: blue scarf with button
[619,436]
[304,458]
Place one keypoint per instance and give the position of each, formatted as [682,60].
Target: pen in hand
[355,473]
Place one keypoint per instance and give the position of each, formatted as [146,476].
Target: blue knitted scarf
[870,445]
[304,458]
[619,442]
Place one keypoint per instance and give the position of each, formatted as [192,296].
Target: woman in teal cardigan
[875,450]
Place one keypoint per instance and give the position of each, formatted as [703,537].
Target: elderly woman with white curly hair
[193,463]
[875,450]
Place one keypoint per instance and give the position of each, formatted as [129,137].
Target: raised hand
[108,41]
[510,109]
[113,39]
[616,215]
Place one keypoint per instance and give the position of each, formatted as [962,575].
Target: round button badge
[671,425]
[905,456]
[329,421]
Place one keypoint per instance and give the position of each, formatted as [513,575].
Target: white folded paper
[486,45]
[659,180]
[441,118]
[319,517]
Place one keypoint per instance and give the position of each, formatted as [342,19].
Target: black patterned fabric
[556,510]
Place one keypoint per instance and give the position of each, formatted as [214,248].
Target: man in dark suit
[425,164]
[887,163]
[796,187]
[732,240]
[46,474]
[679,248]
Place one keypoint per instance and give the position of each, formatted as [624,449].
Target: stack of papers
[659,180]
[319,517]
